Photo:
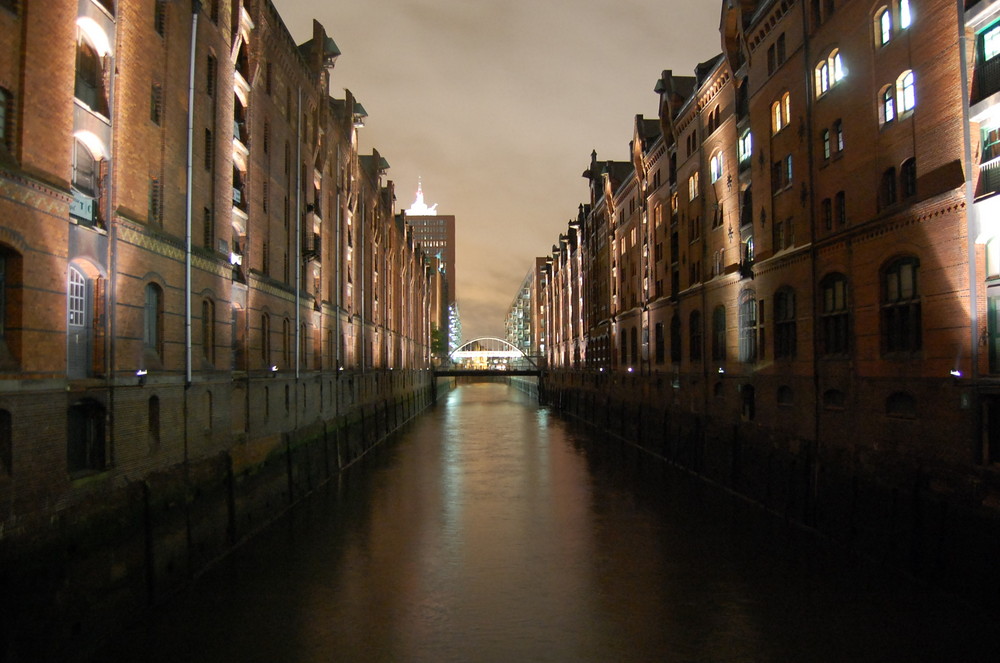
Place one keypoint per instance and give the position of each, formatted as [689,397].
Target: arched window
[834,328]
[716,166]
[719,333]
[781,112]
[887,104]
[286,342]
[90,86]
[635,346]
[901,317]
[784,323]
[883,26]
[153,319]
[694,333]
[624,346]
[907,84]
[905,15]
[822,78]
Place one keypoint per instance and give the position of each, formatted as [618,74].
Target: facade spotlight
[722,371]
[955,373]
[141,374]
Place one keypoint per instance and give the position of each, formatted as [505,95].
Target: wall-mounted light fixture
[141,374]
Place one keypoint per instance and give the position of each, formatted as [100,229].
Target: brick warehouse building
[200,275]
[798,301]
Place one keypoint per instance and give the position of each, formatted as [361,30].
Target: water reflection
[493,531]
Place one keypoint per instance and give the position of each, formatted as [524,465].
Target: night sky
[497,105]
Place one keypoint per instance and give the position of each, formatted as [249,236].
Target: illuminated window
[693,186]
[990,40]
[781,113]
[907,91]
[883,26]
[748,327]
[888,104]
[746,146]
[822,78]
[826,143]
[716,165]
[91,87]
[905,17]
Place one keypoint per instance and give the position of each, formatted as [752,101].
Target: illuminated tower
[435,233]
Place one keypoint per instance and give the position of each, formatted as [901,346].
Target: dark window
[786,396]
[85,445]
[155,202]
[784,324]
[153,319]
[6,119]
[834,399]
[694,332]
[211,74]
[908,178]
[901,404]
[156,103]
[635,346]
[826,209]
[85,170]
[286,341]
[887,188]
[781,48]
[826,143]
[209,149]
[719,333]
[834,328]
[208,330]
[838,132]
[209,229]
[160,17]
[901,320]
[840,209]
[675,339]
[658,340]
[624,346]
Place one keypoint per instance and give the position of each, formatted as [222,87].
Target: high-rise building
[435,234]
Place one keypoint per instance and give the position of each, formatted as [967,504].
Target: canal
[492,530]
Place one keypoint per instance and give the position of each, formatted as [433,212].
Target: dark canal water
[490,530]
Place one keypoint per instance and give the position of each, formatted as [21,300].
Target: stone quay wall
[70,582]
[891,507]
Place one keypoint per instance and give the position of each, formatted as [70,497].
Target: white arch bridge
[489,356]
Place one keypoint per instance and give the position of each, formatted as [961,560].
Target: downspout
[972,229]
[298,242]
[195,8]
[338,287]
[361,273]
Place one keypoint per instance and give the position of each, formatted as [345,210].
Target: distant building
[435,234]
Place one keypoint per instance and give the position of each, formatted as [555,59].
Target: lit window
[826,143]
[905,17]
[888,104]
[693,186]
[908,91]
[780,113]
[883,26]
[746,146]
[822,78]
[991,42]
[716,167]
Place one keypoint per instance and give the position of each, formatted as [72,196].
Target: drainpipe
[337,285]
[195,8]
[298,241]
[972,230]
[361,281]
